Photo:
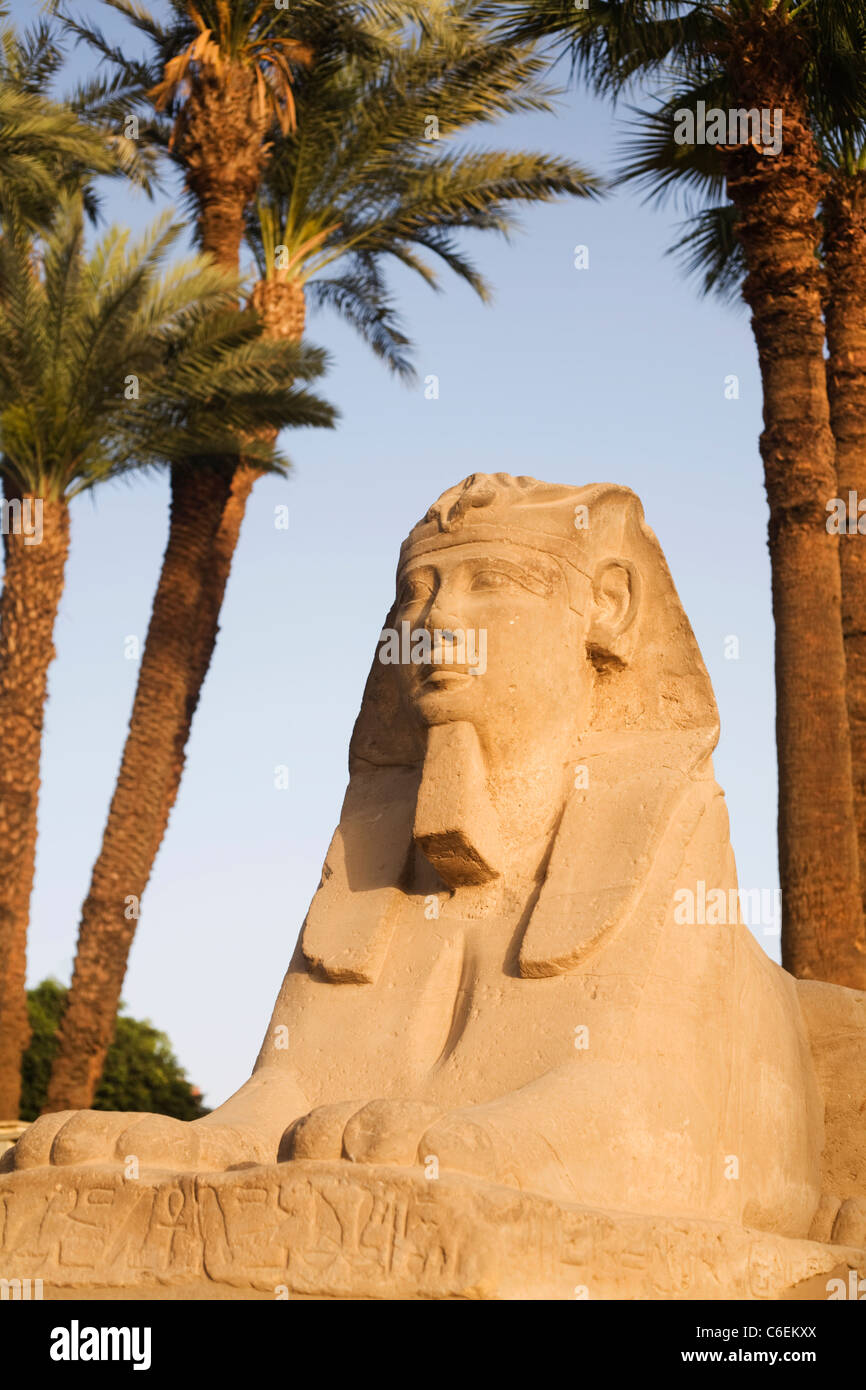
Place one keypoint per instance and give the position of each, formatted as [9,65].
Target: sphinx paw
[462,1145]
[380,1131]
[319,1134]
[387,1131]
[70,1136]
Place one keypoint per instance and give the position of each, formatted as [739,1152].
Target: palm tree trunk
[845,316]
[282,309]
[32,589]
[140,805]
[777,199]
[206,515]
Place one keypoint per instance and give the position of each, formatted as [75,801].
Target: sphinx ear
[615,603]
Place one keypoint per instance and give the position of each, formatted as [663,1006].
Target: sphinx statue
[496,1018]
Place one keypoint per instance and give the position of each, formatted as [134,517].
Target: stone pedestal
[336,1230]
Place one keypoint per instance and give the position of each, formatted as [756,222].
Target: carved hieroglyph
[508,1058]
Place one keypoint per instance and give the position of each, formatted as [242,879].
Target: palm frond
[710,252]
[114,360]
[360,297]
[374,172]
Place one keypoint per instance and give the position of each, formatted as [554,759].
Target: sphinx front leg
[73,1137]
[377,1131]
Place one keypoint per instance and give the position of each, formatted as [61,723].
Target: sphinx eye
[414,590]
[489,579]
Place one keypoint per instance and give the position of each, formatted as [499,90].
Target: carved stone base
[336,1230]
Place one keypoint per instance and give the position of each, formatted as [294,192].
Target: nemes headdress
[654,724]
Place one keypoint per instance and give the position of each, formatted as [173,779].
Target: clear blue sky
[614,373]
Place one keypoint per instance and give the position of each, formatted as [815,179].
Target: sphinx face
[504,649]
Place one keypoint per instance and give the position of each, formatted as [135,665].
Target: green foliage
[614,43]
[361,182]
[373,175]
[46,145]
[691,51]
[247,33]
[141,1071]
[111,361]
[43,145]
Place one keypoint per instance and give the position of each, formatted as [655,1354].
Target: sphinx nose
[444,621]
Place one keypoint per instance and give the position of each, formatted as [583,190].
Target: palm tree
[710,249]
[844,246]
[106,364]
[351,179]
[806,61]
[362,180]
[216,84]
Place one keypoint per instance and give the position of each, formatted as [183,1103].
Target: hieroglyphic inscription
[331,1230]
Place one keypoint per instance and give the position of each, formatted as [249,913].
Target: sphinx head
[539,613]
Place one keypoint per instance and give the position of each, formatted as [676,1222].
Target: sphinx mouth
[444,677]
